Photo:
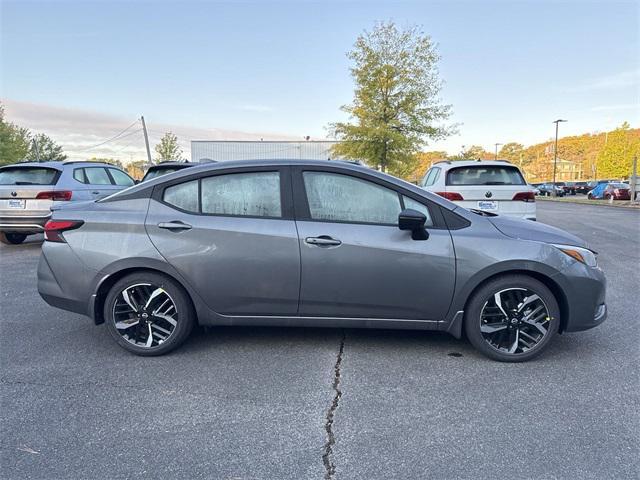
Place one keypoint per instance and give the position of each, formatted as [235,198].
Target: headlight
[583,255]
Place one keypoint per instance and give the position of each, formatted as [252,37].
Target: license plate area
[17,204]
[487,205]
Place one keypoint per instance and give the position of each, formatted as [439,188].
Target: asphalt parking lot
[253,402]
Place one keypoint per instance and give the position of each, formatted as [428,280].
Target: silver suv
[29,190]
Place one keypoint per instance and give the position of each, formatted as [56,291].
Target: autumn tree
[616,157]
[168,148]
[110,161]
[43,148]
[474,152]
[512,151]
[396,107]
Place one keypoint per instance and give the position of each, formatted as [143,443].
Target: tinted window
[97,176]
[411,203]
[120,177]
[28,176]
[254,194]
[183,195]
[78,174]
[485,175]
[348,199]
[157,172]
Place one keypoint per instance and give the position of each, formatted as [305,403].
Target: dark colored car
[314,243]
[546,190]
[617,191]
[582,187]
[568,187]
[165,168]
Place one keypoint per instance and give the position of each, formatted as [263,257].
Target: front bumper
[585,290]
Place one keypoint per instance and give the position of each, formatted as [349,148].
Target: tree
[474,152]
[615,159]
[168,148]
[396,106]
[512,151]
[14,141]
[45,149]
[111,161]
[424,160]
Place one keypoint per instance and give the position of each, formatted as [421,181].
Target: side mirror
[136,182]
[414,221]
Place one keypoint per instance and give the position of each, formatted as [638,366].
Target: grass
[585,200]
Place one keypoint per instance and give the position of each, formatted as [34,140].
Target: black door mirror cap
[413,220]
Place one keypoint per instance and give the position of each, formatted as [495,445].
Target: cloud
[81,131]
[609,82]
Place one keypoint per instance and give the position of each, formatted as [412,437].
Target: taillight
[55,195]
[53,229]
[450,195]
[524,197]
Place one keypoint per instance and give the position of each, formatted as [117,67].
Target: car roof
[59,165]
[448,164]
[172,164]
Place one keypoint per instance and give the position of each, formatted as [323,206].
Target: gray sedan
[308,243]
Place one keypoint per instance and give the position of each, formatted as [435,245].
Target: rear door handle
[95,193]
[323,241]
[176,225]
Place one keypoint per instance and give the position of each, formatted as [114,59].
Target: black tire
[138,285]
[514,286]
[12,238]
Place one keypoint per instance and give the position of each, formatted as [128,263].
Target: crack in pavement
[329,465]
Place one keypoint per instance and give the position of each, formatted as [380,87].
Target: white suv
[492,186]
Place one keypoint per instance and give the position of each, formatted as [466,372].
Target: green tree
[616,157]
[14,141]
[474,152]
[168,148]
[512,151]
[111,161]
[45,149]
[396,106]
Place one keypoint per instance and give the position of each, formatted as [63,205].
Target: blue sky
[510,67]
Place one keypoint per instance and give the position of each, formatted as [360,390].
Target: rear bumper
[23,223]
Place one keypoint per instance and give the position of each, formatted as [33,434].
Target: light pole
[555,156]
[497,144]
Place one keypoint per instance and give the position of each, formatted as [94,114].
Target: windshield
[619,185]
[158,172]
[485,175]
[28,176]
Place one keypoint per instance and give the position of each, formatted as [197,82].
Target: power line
[110,139]
[130,143]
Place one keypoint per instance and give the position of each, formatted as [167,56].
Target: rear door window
[97,176]
[485,175]
[28,176]
[255,194]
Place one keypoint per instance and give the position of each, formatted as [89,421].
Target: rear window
[158,172]
[28,176]
[485,175]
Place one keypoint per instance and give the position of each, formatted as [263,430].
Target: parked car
[617,191]
[493,186]
[582,187]
[163,168]
[535,189]
[311,243]
[568,187]
[546,190]
[28,190]
[597,193]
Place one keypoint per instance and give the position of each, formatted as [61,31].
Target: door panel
[376,271]
[239,265]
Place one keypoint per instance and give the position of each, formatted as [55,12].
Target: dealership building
[226,150]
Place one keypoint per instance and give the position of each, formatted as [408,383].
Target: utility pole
[146,139]
[35,146]
[555,156]
[497,144]
[634,180]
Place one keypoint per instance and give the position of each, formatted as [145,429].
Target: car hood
[538,232]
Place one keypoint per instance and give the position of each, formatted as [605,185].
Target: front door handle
[95,193]
[323,241]
[175,225]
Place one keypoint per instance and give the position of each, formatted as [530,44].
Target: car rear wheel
[148,313]
[512,318]
[12,238]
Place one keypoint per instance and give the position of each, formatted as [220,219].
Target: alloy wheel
[514,320]
[145,315]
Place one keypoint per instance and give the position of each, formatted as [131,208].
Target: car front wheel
[148,313]
[512,318]
[12,238]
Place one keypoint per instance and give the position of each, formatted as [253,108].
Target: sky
[83,71]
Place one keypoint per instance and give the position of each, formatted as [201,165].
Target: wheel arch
[108,281]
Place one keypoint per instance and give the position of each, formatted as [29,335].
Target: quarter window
[431,177]
[183,196]
[411,203]
[78,174]
[344,198]
[120,177]
[255,194]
